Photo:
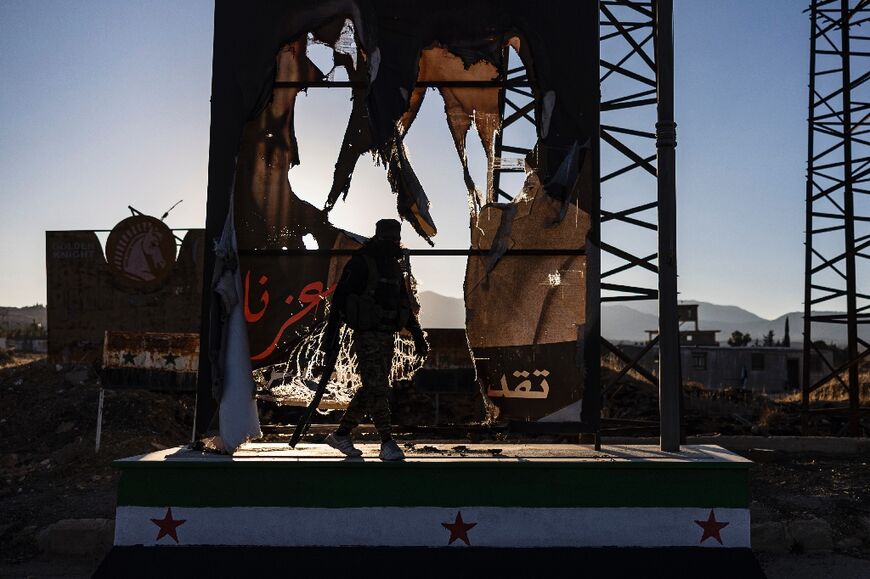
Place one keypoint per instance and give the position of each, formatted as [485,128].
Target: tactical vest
[379,307]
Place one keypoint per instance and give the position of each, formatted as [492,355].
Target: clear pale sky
[105,104]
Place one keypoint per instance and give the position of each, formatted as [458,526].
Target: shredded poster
[531,319]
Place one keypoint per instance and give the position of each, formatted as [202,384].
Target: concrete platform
[481,497]
[422,452]
[512,495]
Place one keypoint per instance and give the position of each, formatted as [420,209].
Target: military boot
[343,444]
[391,451]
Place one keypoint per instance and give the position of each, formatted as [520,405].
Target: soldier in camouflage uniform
[372,298]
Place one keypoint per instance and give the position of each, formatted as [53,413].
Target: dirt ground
[48,466]
[49,470]
[836,489]
[728,412]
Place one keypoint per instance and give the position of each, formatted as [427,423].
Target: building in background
[690,337]
[769,368]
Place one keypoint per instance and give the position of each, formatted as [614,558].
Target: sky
[105,104]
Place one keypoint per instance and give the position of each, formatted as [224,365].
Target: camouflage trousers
[374,356]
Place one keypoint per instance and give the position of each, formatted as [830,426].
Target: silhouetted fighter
[373,299]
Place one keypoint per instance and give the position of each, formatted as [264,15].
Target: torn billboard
[532,320]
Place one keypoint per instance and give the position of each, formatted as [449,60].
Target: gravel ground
[830,566]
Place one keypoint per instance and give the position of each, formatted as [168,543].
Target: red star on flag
[711,528]
[458,529]
[168,525]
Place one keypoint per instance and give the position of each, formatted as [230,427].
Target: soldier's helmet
[388,230]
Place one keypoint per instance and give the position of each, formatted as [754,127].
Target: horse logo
[141,251]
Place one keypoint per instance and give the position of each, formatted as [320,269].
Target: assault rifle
[329,366]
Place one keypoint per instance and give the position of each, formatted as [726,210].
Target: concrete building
[758,369]
[771,369]
[27,344]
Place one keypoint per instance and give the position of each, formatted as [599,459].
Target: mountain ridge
[629,322]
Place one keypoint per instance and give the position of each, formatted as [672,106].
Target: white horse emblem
[140,251]
[143,257]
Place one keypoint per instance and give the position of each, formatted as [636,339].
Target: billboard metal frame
[644,31]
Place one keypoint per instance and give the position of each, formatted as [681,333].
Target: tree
[768,341]
[738,339]
[786,341]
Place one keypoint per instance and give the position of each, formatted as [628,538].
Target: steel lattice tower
[837,216]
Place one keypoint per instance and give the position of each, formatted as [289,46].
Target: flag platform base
[420,562]
[269,507]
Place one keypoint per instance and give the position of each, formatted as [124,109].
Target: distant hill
[629,322]
[437,311]
[622,322]
[21,318]
[706,311]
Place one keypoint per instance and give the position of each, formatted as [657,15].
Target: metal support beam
[631,363]
[666,142]
[638,180]
[849,230]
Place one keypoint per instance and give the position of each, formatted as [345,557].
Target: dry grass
[9,360]
[833,391]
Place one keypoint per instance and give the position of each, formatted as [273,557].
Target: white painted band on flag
[422,526]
